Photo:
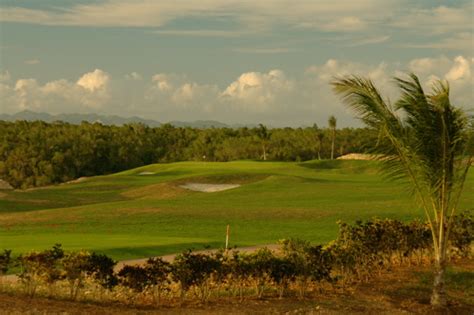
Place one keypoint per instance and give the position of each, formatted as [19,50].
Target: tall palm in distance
[424,140]
[319,136]
[264,135]
[332,125]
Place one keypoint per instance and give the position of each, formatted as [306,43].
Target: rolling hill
[145,211]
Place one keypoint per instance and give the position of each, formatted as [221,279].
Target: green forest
[39,153]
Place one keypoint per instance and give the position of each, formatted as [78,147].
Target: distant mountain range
[111,120]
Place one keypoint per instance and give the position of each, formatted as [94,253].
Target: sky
[234,61]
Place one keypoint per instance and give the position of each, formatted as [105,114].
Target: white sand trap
[208,187]
[358,156]
[77,180]
[146,173]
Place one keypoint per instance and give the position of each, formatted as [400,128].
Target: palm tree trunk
[438,296]
[332,144]
[264,153]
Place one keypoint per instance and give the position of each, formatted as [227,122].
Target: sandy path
[168,258]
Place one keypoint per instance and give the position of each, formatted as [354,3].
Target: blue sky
[233,61]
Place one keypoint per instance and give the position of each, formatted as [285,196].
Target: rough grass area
[400,291]
[128,215]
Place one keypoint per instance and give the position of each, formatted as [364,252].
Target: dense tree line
[39,153]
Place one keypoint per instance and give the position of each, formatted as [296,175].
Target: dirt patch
[156,191]
[5,185]
[208,188]
[39,216]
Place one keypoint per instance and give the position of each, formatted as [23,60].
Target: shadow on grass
[346,166]
[459,287]
[322,164]
[239,178]
[455,279]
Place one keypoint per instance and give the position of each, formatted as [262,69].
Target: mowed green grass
[127,215]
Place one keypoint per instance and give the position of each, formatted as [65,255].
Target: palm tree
[424,140]
[264,135]
[319,139]
[332,125]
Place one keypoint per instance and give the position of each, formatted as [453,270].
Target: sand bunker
[208,187]
[77,180]
[358,156]
[146,173]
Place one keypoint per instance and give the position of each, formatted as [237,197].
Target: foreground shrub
[371,246]
[133,277]
[238,272]
[40,267]
[260,268]
[5,261]
[462,234]
[101,268]
[308,263]
[195,270]
[75,266]
[153,277]
[282,272]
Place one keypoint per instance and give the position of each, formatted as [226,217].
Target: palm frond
[427,145]
[363,97]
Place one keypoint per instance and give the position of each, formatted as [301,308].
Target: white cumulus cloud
[95,80]
[461,69]
[271,97]
[458,72]
[89,92]
[172,92]
[258,91]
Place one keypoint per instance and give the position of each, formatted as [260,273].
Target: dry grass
[159,191]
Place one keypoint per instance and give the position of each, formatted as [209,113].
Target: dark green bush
[462,233]
[134,277]
[101,268]
[40,267]
[194,269]
[75,267]
[5,261]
